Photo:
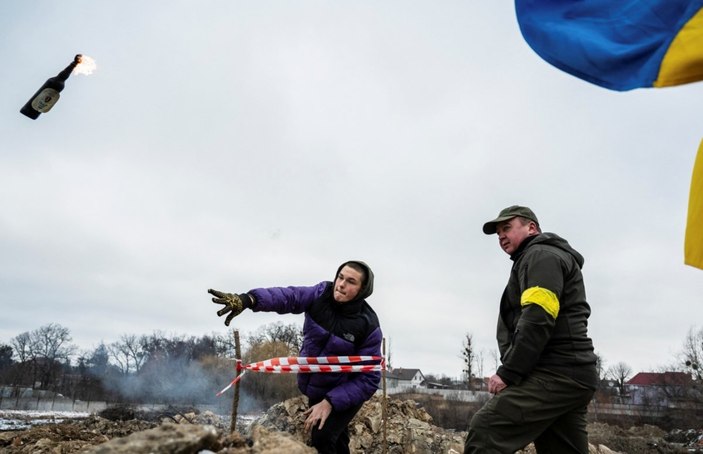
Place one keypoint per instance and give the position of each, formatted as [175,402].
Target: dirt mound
[165,432]
[69,436]
[183,430]
[409,427]
[635,440]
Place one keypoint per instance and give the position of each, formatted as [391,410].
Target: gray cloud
[238,145]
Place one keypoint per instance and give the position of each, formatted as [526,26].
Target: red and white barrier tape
[307,365]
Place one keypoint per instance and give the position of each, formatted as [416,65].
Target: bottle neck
[63,75]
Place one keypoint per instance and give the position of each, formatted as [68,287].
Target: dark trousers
[547,408]
[333,438]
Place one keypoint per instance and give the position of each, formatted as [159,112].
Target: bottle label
[45,100]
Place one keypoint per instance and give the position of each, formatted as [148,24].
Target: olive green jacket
[543,322]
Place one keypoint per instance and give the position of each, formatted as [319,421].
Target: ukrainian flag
[618,44]
[693,247]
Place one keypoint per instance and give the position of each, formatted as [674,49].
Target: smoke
[180,382]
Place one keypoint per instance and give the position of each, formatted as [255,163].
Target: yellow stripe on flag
[693,248]
[683,61]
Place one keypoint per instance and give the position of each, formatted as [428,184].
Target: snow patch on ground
[21,420]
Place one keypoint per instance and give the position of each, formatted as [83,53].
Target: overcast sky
[234,145]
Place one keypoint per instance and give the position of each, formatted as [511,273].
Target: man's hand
[496,384]
[318,412]
[234,304]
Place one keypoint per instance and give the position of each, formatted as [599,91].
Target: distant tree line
[179,369]
[146,368]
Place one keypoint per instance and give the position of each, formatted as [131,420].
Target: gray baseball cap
[489,228]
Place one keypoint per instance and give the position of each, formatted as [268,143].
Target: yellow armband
[542,297]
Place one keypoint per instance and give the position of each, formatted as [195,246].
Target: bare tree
[605,391]
[620,372]
[291,335]
[21,344]
[24,369]
[51,344]
[128,353]
[41,354]
[495,357]
[468,355]
[692,358]
[693,353]
[204,347]
[224,344]
[480,358]
[52,341]
[600,367]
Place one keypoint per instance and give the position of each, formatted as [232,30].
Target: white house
[405,378]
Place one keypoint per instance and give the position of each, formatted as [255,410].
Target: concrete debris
[409,429]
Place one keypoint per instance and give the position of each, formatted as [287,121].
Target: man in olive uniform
[548,371]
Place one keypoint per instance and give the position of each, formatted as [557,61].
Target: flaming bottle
[44,99]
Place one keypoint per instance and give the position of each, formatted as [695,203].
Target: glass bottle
[44,99]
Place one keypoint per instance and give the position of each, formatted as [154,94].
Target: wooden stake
[384,404]
[235,399]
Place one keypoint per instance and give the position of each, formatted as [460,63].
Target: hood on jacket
[366,289]
[553,239]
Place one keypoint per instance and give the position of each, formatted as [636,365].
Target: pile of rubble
[409,427]
[409,430]
[157,433]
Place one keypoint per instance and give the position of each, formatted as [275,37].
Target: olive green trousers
[547,408]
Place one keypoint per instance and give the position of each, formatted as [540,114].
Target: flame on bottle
[86,65]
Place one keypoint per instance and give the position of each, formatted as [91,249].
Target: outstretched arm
[286,300]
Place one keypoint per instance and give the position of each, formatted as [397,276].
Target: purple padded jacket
[330,329]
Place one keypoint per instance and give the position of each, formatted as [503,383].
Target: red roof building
[660,379]
[658,388]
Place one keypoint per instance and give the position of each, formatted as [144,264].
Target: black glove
[234,303]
